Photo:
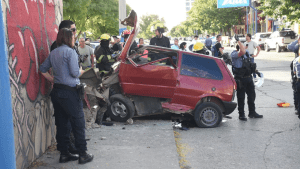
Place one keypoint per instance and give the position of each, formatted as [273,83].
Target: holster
[80,90]
[239,83]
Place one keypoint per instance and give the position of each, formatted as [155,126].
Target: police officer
[294,46]
[242,69]
[66,98]
[296,68]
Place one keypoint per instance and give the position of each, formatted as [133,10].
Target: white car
[260,38]
[280,39]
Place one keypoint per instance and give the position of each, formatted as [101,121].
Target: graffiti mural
[31,27]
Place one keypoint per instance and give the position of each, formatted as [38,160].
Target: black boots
[66,156]
[242,117]
[255,115]
[85,158]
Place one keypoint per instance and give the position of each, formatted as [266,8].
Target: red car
[178,82]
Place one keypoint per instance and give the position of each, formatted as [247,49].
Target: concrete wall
[31,27]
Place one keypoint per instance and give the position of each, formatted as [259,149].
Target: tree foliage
[279,8]
[146,22]
[205,16]
[94,16]
[184,29]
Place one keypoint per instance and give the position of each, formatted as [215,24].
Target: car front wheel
[208,115]
[121,108]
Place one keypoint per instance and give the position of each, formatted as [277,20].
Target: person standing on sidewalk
[88,54]
[296,68]
[251,48]
[241,68]
[208,42]
[175,46]
[66,97]
[294,46]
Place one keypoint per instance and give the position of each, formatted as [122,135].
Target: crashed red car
[179,82]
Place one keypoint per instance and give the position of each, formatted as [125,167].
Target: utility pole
[122,15]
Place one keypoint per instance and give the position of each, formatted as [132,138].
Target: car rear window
[287,34]
[265,35]
[197,66]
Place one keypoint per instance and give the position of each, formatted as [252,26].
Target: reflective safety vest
[110,59]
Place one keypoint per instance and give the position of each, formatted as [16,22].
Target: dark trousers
[208,47]
[68,116]
[298,96]
[245,86]
[294,86]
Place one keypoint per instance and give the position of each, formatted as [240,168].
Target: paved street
[268,143]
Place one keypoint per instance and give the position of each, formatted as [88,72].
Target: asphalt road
[268,143]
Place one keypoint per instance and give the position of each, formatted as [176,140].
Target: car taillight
[282,40]
[259,40]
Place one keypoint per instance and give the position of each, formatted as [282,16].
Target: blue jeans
[69,116]
[252,61]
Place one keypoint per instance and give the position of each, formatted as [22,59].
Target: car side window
[198,66]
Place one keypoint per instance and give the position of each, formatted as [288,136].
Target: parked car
[179,82]
[233,41]
[94,44]
[279,40]
[260,38]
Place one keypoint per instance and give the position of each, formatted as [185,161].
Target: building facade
[30,28]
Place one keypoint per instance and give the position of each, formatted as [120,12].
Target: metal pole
[7,142]
[256,21]
[122,15]
[247,19]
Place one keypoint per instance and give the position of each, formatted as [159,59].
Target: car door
[198,76]
[154,79]
[270,40]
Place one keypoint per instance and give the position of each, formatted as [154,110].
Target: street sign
[233,3]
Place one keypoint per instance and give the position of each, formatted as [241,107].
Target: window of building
[197,66]
[187,4]
[187,8]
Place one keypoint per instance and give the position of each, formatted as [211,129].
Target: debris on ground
[129,121]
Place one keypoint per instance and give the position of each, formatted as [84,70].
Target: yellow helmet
[104,37]
[198,46]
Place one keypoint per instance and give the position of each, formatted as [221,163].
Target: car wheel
[208,115]
[121,108]
[267,48]
[278,48]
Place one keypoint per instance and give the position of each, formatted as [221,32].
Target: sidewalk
[142,145]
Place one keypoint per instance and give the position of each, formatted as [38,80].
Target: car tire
[267,48]
[278,50]
[121,108]
[208,115]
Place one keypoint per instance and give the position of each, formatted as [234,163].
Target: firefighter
[103,55]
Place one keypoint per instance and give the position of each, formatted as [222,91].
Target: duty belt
[62,86]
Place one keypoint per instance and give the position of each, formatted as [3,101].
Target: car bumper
[229,107]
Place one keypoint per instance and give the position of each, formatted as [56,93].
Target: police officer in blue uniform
[66,97]
[242,69]
[294,46]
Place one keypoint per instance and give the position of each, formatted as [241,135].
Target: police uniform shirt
[237,62]
[296,66]
[64,61]
[294,46]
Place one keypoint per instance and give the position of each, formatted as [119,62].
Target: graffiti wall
[31,27]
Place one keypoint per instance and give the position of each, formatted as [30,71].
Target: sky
[173,11]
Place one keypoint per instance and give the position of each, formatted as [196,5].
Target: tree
[207,17]
[94,16]
[279,8]
[146,21]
